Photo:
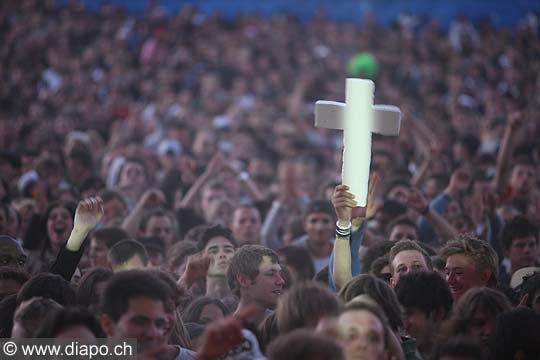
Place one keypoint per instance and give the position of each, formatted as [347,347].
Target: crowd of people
[161,178]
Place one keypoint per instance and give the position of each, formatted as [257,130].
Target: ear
[243,280]
[107,324]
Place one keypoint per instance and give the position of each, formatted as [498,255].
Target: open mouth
[277,292]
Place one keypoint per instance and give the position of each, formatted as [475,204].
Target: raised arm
[88,214]
[345,259]
[443,228]
[212,169]
[505,151]
[150,199]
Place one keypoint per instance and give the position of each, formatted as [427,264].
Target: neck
[217,287]
[319,250]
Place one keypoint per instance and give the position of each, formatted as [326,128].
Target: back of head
[459,347]
[530,287]
[87,294]
[516,335]
[63,319]
[490,301]
[30,315]
[7,310]
[304,345]
[298,259]
[192,314]
[304,305]
[110,235]
[424,290]
[127,255]
[127,285]
[48,286]
[379,291]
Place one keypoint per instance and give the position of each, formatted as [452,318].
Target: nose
[451,278]
[279,280]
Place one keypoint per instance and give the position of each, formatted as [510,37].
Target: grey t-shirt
[184,354]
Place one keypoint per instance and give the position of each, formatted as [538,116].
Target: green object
[363,65]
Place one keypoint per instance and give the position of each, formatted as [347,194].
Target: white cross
[358,118]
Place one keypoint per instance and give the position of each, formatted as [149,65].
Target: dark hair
[377,266]
[459,346]
[212,232]
[401,220]
[374,252]
[298,259]
[379,291]
[82,156]
[7,310]
[490,301]
[36,237]
[246,261]
[304,305]
[192,314]
[110,235]
[125,250]
[530,285]
[92,182]
[126,285]
[108,195]
[32,312]
[392,183]
[320,206]
[178,253]
[517,330]
[303,344]
[268,331]
[154,213]
[86,292]
[48,286]
[518,227]
[424,290]
[63,319]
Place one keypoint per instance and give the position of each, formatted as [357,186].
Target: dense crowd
[161,178]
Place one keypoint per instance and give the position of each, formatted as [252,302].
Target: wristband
[343,232]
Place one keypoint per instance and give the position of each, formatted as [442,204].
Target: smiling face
[462,275]
[220,251]
[59,225]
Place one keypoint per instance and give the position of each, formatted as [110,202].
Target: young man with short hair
[246,225]
[470,263]
[319,225]
[406,256]
[519,238]
[402,229]
[134,306]
[255,275]
[127,255]
[101,241]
